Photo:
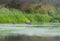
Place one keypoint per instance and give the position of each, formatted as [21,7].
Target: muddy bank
[29,38]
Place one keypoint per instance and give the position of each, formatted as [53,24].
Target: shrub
[47,9]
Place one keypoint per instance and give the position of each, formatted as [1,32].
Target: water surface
[30,30]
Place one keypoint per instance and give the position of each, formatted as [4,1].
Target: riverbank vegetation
[11,15]
[16,11]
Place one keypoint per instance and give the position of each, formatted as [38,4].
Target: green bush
[11,15]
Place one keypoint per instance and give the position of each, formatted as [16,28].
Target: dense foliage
[17,11]
[11,15]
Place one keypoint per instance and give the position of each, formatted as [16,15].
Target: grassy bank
[16,16]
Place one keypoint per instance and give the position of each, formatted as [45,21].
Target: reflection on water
[30,33]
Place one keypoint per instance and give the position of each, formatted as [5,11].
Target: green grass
[16,16]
